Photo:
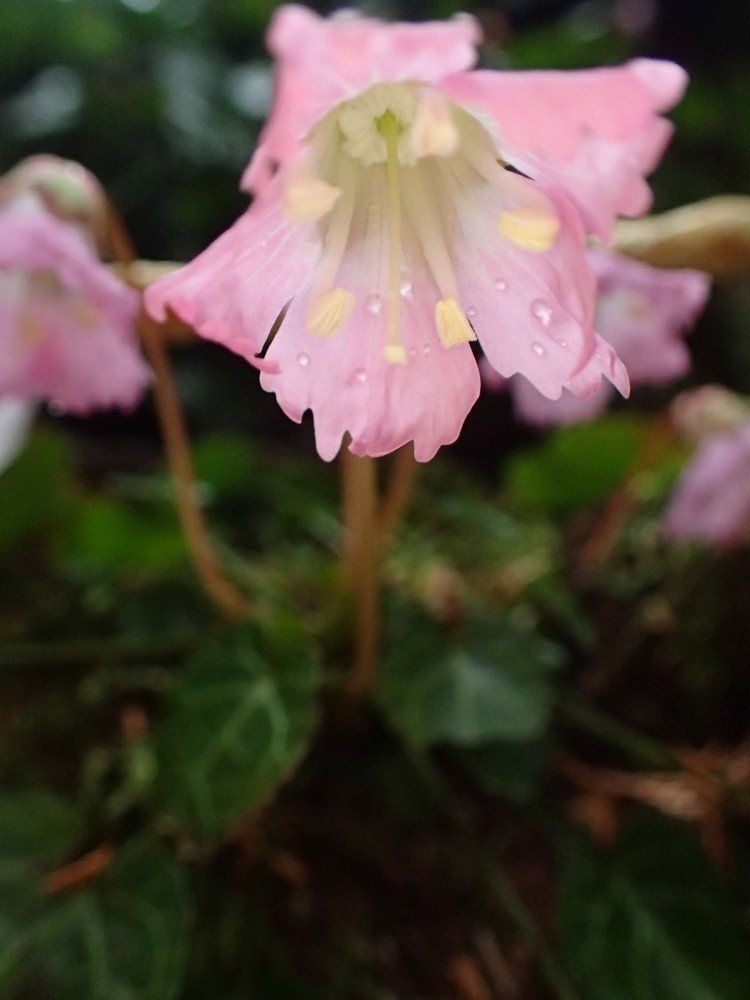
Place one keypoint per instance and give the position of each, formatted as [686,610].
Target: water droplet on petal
[406,287]
[304,359]
[55,409]
[373,303]
[361,375]
[471,313]
[501,284]
[412,352]
[542,310]
[426,348]
[537,348]
[561,341]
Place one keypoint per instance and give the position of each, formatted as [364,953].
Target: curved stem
[230,601]
[398,491]
[361,566]
[647,750]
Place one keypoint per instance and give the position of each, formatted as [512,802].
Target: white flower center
[402,131]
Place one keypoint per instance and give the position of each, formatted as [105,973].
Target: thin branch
[224,594]
[79,872]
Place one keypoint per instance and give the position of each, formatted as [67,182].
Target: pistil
[390,129]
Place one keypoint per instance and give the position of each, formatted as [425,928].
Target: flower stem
[398,491]
[361,566]
[228,599]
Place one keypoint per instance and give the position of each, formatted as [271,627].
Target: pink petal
[322,61]
[71,340]
[711,502]
[532,312]
[346,381]
[644,312]
[595,133]
[234,291]
[33,239]
[602,363]
[535,409]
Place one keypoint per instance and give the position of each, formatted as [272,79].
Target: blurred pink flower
[709,410]
[711,502]
[67,325]
[403,208]
[15,420]
[643,312]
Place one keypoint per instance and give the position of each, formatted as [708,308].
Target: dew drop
[406,287]
[561,341]
[412,352]
[537,348]
[55,409]
[374,303]
[426,348]
[471,313]
[542,311]
[303,359]
[501,284]
[360,374]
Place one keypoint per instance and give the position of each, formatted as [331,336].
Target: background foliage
[550,791]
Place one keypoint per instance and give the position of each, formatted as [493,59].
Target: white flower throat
[399,135]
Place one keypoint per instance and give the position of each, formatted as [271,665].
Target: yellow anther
[533,227]
[394,354]
[329,312]
[307,199]
[452,325]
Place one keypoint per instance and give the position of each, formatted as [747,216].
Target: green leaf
[491,680]
[652,920]
[577,466]
[227,464]
[126,937]
[37,830]
[239,721]
[36,489]
[21,908]
[513,771]
[108,533]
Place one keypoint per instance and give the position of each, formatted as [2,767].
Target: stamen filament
[430,233]
[330,308]
[336,237]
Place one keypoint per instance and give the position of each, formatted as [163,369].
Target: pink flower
[643,313]
[388,219]
[711,502]
[67,325]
